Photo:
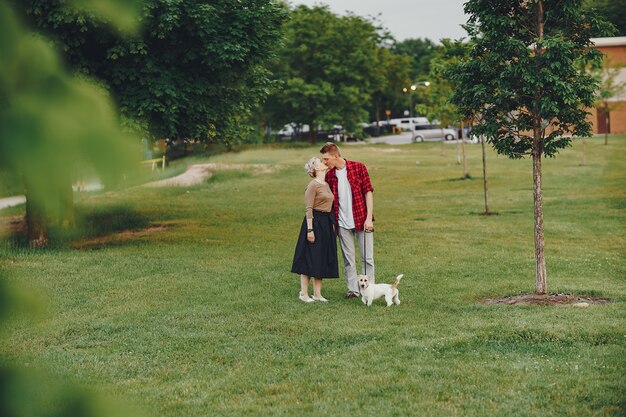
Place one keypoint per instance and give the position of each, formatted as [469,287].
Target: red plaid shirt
[360,184]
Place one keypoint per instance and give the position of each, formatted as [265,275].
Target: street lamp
[410,90]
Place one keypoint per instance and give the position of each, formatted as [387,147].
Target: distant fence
[155,162]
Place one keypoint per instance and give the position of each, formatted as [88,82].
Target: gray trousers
[365,241]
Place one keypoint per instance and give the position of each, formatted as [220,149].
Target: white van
[292,129]
[408,123]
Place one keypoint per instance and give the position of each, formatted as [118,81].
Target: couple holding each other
[347,184]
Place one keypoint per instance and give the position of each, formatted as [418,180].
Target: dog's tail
[397,281]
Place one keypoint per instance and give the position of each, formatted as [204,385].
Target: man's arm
[369,203]
[366,187]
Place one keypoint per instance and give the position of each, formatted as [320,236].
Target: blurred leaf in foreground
[51,126]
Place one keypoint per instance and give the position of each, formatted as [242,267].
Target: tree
[51,123]
[609,88]
[421,52]
[435,100]
[196,68]
[327,71]
[525,79]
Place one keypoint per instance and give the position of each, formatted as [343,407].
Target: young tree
[525,78]
[610,87]
[435,100]
[196,68]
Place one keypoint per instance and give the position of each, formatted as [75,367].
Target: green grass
[202,318]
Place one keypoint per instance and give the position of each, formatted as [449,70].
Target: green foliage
[195,69]
[609,84]
[421,52]
[327,69]
[10,183]
[36,394]
[518,78]
[121,14]
[395,74]
[51,124]
[613,11]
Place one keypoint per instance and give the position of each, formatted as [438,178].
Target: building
[615,51]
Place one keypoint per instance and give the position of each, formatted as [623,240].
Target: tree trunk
[608,123]
[485,184]
[377,118]
[443,140]
[541,285]
[465,173]
[584,152]
[36,219]
[540,21]
[66,215]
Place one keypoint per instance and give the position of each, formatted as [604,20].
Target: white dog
[371,292]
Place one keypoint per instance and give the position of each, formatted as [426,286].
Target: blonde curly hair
[309,167]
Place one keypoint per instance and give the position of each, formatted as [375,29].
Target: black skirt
[319,259]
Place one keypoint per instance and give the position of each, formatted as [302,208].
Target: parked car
[431,132]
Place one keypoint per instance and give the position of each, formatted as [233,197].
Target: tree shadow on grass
[110,226]
[91,225]
[468,177]
[486,214]
[105,221]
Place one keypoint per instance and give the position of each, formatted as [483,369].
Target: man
[354,211]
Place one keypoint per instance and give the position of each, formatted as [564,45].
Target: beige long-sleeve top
[318,197]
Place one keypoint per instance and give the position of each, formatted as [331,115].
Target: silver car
[432,133]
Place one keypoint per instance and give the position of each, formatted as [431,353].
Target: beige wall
[615,54]
[618,119]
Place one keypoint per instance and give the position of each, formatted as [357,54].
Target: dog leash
[365,250]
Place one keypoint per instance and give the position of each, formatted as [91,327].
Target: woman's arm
[309,197]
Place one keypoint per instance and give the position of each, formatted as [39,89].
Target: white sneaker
[320,298]
[305,298]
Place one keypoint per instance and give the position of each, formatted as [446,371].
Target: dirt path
[12,201]
[196,174]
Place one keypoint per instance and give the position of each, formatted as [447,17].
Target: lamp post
[410,90]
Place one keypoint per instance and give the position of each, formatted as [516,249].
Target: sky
[405,19]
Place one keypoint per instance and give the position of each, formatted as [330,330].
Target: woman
[316,251]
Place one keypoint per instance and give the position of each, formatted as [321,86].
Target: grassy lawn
[195,313]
